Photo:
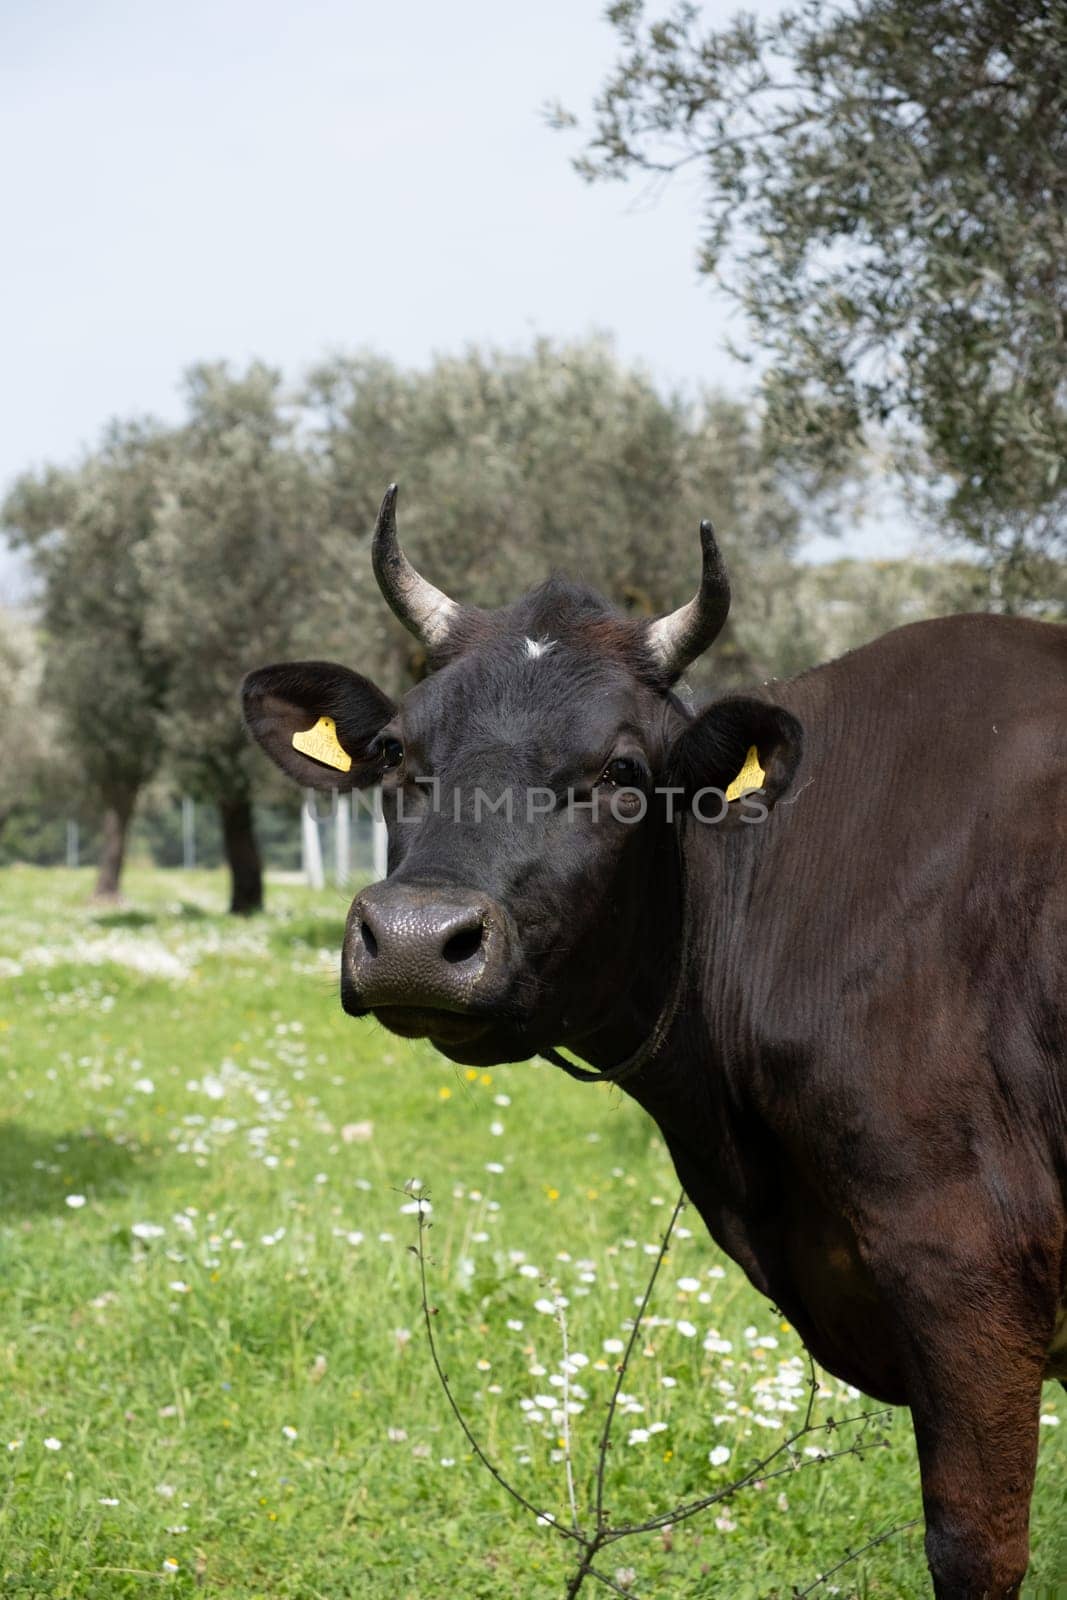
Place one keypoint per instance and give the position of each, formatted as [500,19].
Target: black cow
[843,1001]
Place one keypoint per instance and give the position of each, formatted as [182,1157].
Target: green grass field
[215,1377]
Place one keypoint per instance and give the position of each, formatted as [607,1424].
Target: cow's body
[849,1021]
[865,1093]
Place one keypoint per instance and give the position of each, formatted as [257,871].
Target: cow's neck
[697,1091]
[623,1000]
[686,958]
[636,1026]
[685,1086]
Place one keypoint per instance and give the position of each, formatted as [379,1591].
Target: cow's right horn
[679,637]
[424,610]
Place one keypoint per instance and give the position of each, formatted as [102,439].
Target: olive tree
[235,571]
[28,734]
[512,464]
[884,190]
[103,677]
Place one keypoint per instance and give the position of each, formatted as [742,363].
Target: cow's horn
[420,607]
[678,638]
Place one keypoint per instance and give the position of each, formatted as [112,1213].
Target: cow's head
[532,893]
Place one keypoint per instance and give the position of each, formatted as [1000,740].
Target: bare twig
[428,1316]
[854,1555]
[593,1542]
[620,1372]
[759,1471]
[561,1316]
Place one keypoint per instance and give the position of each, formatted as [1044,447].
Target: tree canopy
[884,190]
[102,676]
[512,464]
[28,741]
[234,571]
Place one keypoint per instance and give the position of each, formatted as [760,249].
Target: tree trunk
[242,855]
[114,828]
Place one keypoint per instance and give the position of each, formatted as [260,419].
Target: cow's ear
[715,750]
[318,722]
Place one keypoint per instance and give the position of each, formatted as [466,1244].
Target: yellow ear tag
[321,743]
[751,776]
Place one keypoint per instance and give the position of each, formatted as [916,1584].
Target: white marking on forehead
[536,648]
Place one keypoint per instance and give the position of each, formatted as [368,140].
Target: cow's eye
[391,752]
[622,773]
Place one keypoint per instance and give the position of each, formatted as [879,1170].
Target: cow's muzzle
[412,949]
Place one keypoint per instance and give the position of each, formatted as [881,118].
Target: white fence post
[188,832]
[379,840]
[310,846]
[342,839]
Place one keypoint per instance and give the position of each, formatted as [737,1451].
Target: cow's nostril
[464,944]
[370,943]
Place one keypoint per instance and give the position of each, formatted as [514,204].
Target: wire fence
[327,838]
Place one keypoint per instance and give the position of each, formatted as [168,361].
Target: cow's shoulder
[923,835]
[934,712]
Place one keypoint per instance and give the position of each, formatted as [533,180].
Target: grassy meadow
[214,1376]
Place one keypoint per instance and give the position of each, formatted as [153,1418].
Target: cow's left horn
[678,638]
[426,611]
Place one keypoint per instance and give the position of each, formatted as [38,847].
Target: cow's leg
[975,1403]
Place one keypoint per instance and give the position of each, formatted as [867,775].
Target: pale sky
[229,180]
